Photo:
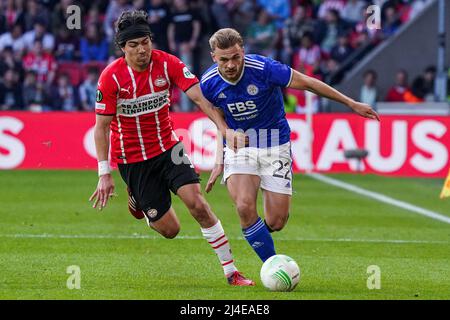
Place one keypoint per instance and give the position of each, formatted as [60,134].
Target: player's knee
[171,232]
[245,206]
[276,223]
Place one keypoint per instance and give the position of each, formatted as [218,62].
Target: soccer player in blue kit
[247,88]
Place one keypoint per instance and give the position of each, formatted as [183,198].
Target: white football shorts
[273,165]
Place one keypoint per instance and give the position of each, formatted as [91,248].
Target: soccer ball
[280,273]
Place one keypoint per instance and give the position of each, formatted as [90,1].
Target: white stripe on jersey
[166,73]
[138,125]
[117,82]
[174,135]
[290,78]
[249,62]
[254,61]
[122,148]
[210,76]
[133,80]
[252,66]
[152,89]
[141,140]
[119,125]
[158,129]
[209,72]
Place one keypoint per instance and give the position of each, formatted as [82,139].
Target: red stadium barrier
[399,145]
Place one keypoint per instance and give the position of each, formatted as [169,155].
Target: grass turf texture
[150,267]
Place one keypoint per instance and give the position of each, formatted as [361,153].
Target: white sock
[216,237]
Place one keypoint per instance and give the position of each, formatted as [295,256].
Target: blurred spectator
[362,35]
[220,10]
[139,5]
[43,63]
[400,92]
[13,39]
[262,36]
[93,46]
[60,15]
[330,72]
[293,31]
[9,61]
[10,92]
[40,33]
[278,10]
[369,91]
[94,15]
[391,22]
[158,17]
[115,8]
[308,58]
[423,85]
[397,5]
[183,31]
[185,22]
[242,14]
[342,50]
[64,94]
[13,13]
[35,12]
[88,89]
[353,11]
[183,36]
[115,53]
[3,26]
[327,30]
[34,94]
[327,5]
[67,46]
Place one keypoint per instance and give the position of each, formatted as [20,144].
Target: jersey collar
[230,82]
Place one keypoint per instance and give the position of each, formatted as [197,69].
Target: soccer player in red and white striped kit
[132,103]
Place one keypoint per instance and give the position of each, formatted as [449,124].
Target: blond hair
[225,38]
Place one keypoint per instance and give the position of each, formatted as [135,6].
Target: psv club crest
[160,81]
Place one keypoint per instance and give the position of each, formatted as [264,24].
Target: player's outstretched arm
[304,82]
[105,186]
[234,139]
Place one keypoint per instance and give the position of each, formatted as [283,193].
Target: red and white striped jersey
[139,101]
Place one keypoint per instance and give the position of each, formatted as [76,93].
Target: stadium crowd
[45,66]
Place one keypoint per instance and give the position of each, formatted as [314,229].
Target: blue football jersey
[255,102]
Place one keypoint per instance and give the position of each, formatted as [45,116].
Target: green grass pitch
[47,225]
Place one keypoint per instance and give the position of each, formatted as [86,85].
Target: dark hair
[335,12]
[309,35]
[431,69]
[127,19]
[370,72]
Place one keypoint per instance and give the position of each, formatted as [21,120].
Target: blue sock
[260,239]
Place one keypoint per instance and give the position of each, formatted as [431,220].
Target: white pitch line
[380,197]
[187,237]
